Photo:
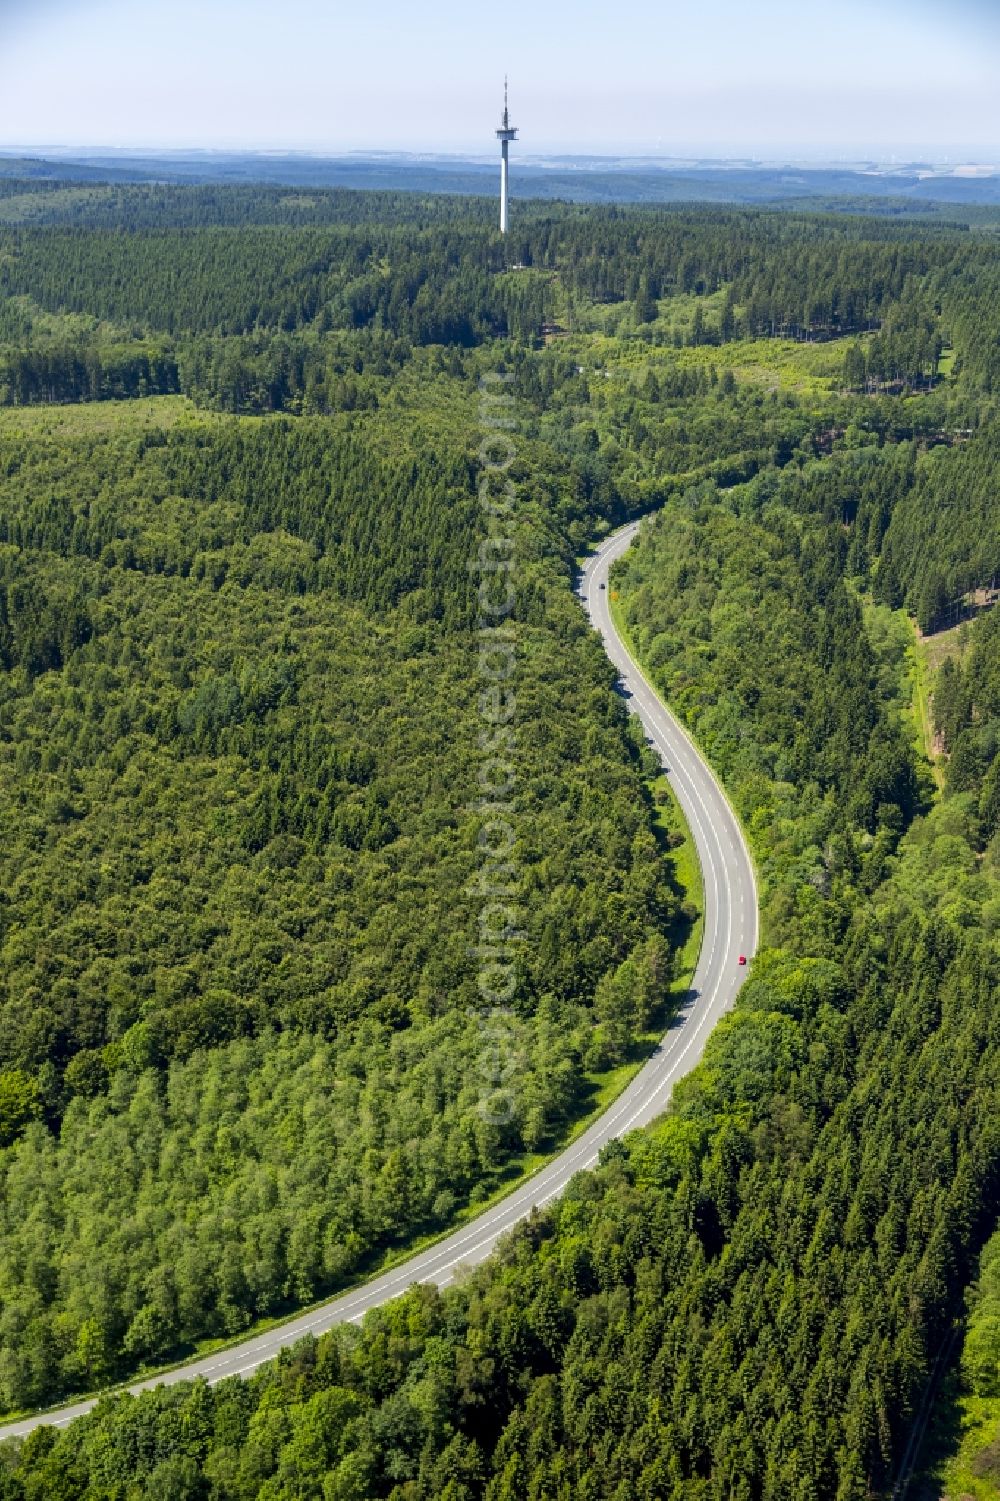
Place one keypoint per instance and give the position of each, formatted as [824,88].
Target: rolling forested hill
[240,1056]
[239,1007]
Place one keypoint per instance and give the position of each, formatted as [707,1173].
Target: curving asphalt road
[730,905]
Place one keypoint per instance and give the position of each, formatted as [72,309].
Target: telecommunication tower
[505,134]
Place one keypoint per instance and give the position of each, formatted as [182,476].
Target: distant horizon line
[981,159]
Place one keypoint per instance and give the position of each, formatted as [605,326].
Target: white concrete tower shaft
[505,135]
[504,187]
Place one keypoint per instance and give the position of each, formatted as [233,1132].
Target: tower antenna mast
[505,135]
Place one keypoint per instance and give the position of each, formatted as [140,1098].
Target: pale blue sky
[776,78]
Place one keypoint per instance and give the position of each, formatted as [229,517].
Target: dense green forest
[962,1445]
[238,742]
[247,311]
[980,1377]
[239,806]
